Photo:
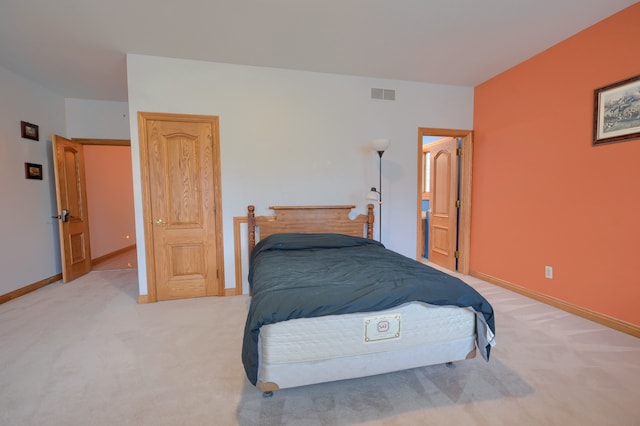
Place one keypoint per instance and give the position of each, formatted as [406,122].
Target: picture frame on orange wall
[616,115]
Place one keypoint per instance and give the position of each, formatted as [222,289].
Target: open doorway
[109,181]
[80,222]
[444,197]
[439,212]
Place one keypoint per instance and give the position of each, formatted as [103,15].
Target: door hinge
[456,254]
[458,203]
[459,152]
[217,273]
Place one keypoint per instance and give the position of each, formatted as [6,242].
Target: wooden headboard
[310,219]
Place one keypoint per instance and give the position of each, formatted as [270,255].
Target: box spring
[314,350]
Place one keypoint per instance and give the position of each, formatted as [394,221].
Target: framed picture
[29,131]
[33,171]
[617,112]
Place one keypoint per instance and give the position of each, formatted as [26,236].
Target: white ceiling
[77,48]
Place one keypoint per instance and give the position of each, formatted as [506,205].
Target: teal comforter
[310,275]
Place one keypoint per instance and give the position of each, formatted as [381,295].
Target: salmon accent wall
[542,195]
[109,198]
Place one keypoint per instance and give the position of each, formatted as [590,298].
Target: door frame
[464,221]
[143,118]
[82,142]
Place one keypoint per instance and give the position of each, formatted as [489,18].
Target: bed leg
[450,364]
[267,394]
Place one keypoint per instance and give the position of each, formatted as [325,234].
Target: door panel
[444,195]
[71,197]
[183,211]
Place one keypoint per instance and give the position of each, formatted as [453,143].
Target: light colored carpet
[85,353]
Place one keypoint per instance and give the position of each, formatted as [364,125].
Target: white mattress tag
[382,328]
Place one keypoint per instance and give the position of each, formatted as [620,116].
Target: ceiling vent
[384,94]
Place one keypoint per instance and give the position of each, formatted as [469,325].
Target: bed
[330,303]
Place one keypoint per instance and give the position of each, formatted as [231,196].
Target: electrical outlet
[548,272]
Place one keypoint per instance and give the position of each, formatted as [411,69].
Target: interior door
[73,216]
[443,205]
[183,185]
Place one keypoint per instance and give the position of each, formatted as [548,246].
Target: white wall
[29,243]
[95,119]
[298,138]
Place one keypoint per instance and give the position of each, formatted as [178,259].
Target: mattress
[313,350]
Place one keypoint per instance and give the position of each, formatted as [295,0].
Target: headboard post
[251,223]
[370,221]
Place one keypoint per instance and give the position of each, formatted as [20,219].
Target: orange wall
[109,198]
[542,195]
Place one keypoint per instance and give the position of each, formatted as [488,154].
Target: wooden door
[183,205]
[443,205]
[73,217]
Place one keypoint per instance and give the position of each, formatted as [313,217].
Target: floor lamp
[380,146]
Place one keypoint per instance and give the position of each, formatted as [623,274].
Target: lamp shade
[381,144]
[373,195]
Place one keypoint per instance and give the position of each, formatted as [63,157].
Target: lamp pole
[379,145]
[380,196]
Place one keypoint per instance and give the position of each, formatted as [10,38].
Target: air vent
[384,94]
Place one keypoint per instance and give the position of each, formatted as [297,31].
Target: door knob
[159,222]
[64,216]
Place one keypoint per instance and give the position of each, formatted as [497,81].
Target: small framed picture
[616,115]
[33,171]
[29,131]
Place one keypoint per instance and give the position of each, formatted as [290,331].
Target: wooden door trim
[464,224]
[151,295]
[109,142]
[143,118]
